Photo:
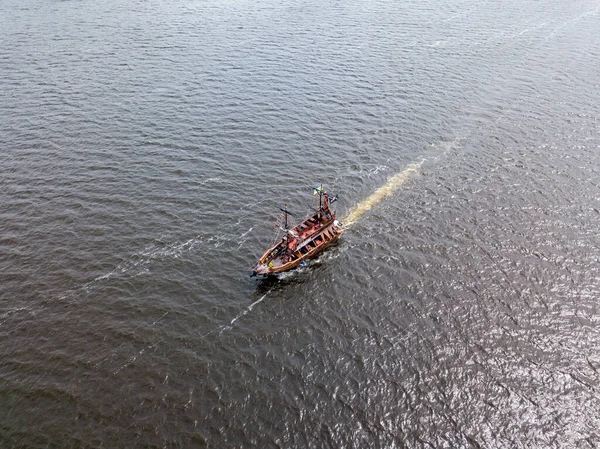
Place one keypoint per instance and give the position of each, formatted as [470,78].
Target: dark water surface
[144,146]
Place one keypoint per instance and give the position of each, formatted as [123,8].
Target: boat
[304,241]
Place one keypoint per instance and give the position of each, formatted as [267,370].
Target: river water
[145,147]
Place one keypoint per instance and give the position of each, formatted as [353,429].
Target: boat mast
[320,197]
[286,212]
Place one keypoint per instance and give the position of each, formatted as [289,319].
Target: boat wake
[228,327]
[392,184]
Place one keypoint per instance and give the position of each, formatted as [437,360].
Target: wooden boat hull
[263,268]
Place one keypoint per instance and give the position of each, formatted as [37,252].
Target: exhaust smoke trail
[392,184]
